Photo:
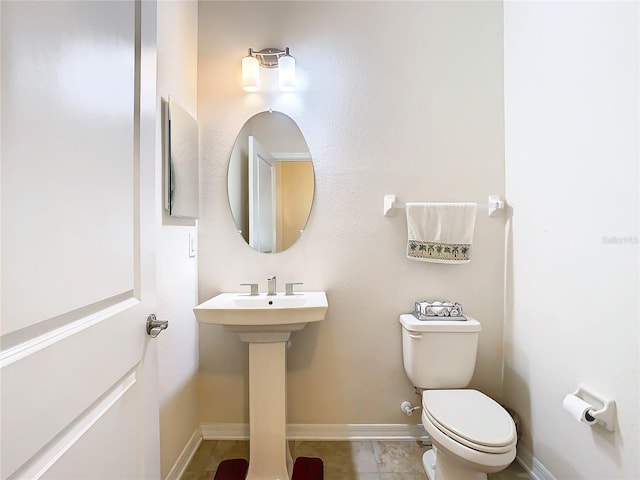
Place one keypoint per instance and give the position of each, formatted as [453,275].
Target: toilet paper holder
[604,409]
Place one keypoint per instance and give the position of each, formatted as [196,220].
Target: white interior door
[262,197]
[77,228]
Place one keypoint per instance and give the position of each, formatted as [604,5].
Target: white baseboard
[240,431]
[532,465]
[185,456]
[225,431]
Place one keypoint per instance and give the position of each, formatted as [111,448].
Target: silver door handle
[155,326]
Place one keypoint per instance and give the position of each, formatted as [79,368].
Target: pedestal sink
[265,322]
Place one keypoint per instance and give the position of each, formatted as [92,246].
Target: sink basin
[280,313]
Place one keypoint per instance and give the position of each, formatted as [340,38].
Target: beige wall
[401,98]
[176,272]
[572,139]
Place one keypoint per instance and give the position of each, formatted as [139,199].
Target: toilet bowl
[472,435]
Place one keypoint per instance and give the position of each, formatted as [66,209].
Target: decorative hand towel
[440,232]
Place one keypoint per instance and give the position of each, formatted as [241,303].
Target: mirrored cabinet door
[182,198]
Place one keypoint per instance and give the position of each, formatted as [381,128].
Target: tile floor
[358,460]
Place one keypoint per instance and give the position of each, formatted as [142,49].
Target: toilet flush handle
[417,336]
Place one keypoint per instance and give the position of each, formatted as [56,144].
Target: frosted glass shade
[287,73]
[250,74]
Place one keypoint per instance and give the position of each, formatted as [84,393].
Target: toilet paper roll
[579,409]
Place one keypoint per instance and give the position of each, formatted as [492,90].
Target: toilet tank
[439,353]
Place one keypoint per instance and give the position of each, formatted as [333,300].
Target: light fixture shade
[250,74]
[287,72]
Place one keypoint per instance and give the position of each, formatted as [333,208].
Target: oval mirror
[270,182]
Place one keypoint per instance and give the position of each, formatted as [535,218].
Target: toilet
[472,435]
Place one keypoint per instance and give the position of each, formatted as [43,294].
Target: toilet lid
[471,418]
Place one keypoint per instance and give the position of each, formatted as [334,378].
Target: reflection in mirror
[181,173]
[270,182]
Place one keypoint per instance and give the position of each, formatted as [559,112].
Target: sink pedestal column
[269,457]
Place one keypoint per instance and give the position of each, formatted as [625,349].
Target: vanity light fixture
[268,58]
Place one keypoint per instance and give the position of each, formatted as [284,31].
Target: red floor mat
[234,469]
[307,468]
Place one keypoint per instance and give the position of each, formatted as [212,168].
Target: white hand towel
[440,232]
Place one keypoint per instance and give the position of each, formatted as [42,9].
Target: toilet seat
[471,459]
[470,418]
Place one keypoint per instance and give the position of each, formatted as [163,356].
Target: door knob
[155,326]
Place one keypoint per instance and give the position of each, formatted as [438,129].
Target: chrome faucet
[271,285]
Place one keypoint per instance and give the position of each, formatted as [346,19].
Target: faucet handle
[254,287]
[288,287]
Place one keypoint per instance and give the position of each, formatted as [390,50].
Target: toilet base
[429,463]
[442,467]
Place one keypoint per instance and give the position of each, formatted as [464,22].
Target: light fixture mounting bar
[268,57]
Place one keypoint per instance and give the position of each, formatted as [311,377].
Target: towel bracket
[390,203]
[494,205]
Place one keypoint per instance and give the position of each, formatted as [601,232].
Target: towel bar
[493,205]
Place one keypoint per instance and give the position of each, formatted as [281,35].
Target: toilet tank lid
[412,324]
